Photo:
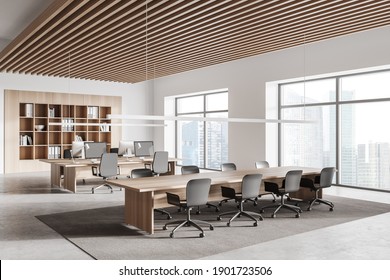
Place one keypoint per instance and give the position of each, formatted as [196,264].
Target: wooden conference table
[142,195]
[65,173]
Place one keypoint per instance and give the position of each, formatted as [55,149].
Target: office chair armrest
[173,199]
[148,165]
[271,187]
[95,171]
[228,192]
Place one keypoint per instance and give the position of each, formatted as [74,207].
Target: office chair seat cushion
[174,199]
[273,187]
[310,184]
[228,192]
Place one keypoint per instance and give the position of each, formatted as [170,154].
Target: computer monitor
[125,148]
[95,149]
[78,149]
[143,148]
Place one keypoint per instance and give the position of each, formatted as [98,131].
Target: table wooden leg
[70,178]
[139,210]
[55,175]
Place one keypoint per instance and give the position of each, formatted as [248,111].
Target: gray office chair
[261,164]
[160,166]
[160,163]
[320,182]
[226,191]
[146,172]
[250,188]
[290,184]
[197,193]
[264,164]
[175,200]
[108,168]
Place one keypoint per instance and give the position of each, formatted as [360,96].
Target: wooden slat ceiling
[133,41]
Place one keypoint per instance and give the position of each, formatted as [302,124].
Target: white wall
[246,80]
[135,99]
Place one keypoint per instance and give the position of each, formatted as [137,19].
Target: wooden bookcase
[51,128]
[45,124]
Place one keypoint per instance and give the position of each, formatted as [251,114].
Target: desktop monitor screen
[143,148]
[78,149]
[95,149]
[125,148]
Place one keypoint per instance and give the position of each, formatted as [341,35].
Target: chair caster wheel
[261,218]
[93,191]
[219,218]
[309,209]
[164,227]
[255,203]
[228,224]
[273,201]
[171,235]
[261,211]
[217,209]
[201,235]
[211,228]
[273,216]
[169,217]
[300,211]
[220,204]
[197,212]
[297,216]
[255,224]
[331,209]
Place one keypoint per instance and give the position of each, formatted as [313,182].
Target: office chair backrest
[228,166]
[262,164]
[189,169]
[108,165]
[326,177]
[160,162]
[141,172]
[197,191]
[250,187]
[293,180]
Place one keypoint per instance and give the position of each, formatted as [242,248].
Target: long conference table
[142,195]
[64,173]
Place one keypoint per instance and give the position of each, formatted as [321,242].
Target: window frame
[337,103]
[204,113]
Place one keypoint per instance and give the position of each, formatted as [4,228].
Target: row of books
[93,112]
[104,127]
[52,112]
[25,140]
[67,125]
[54,152]
[28,108]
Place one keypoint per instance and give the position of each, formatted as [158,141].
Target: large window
[351,114]
[203,143]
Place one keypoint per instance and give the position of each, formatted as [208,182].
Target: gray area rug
[102,234]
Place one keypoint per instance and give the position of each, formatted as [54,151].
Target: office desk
[65,173]
[142,195]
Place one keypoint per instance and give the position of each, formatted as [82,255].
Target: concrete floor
[22,236]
